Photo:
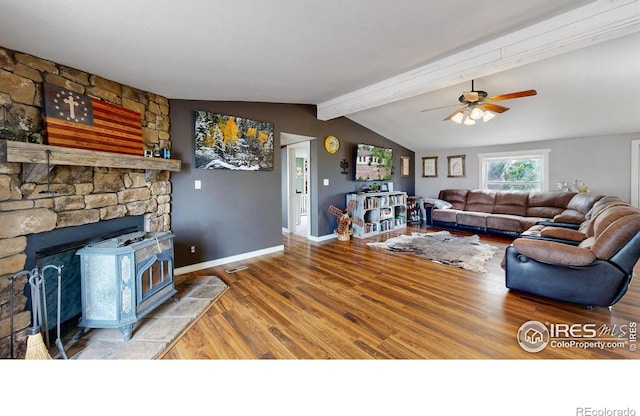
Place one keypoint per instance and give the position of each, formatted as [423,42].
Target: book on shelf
[371,203]
[370,227]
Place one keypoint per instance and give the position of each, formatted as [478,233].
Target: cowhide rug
[443,248]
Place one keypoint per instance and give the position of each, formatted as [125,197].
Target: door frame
[635,173]
[292,203]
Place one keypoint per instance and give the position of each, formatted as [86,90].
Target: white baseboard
[313,237]
[322,237]
[225,260]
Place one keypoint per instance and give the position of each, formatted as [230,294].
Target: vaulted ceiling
[376,62]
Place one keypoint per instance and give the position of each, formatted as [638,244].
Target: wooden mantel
[12,151]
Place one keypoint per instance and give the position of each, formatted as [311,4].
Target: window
[522,171]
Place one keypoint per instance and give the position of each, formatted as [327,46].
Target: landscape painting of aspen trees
[228,142]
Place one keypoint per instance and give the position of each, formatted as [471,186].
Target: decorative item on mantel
[81,122]
[156,150]
[574,186]
[22,129]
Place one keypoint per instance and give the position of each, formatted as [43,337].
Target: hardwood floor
[346,300]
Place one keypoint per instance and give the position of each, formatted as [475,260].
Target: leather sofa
[507,212]
[566,230]
[595,272]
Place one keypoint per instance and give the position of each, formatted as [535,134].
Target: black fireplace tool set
[37,347]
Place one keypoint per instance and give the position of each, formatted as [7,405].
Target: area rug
[443,248]
[155,332]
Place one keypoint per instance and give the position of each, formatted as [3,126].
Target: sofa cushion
[603,203]
[528,222]
[562,233]
[608,216]
[480,201]
[569,216]
[583,202]
[547,204]
[553,252]
[511,202]
[604,210]
[615,236]
[472,219]
[587,243]
[504,222]
[457,197]
[578,208]
[445,215]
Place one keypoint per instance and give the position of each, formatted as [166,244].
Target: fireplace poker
[58,339]
[36,350]
[44,317]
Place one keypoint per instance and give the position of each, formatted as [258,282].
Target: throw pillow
[438,203]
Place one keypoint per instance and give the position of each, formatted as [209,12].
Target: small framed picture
[148,153]
[430,167]
[405,170]
[456,166]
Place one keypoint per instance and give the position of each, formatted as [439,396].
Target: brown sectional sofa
[507,212]
[590,265]
[573,247]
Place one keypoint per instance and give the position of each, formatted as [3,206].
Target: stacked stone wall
[82,195]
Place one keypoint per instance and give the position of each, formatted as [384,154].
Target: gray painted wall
[603,163]
[240,212]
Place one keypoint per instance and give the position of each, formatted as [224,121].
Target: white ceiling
[376,62]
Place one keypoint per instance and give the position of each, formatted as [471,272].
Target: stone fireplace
[36,198]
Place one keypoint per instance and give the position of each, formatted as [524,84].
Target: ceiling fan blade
[513,95]
[453,114]
[438,108]
[494,107]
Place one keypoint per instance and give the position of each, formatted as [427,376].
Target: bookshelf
[380,211]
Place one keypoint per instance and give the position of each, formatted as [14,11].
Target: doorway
[298,180]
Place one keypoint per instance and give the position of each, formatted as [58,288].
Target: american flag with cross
[82,122]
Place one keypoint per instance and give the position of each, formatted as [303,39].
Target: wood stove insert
[124,278]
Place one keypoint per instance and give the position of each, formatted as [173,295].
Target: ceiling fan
[477,105]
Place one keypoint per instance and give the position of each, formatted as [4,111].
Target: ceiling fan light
[476,114]
[469,121]
[488,115]
[458,117]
